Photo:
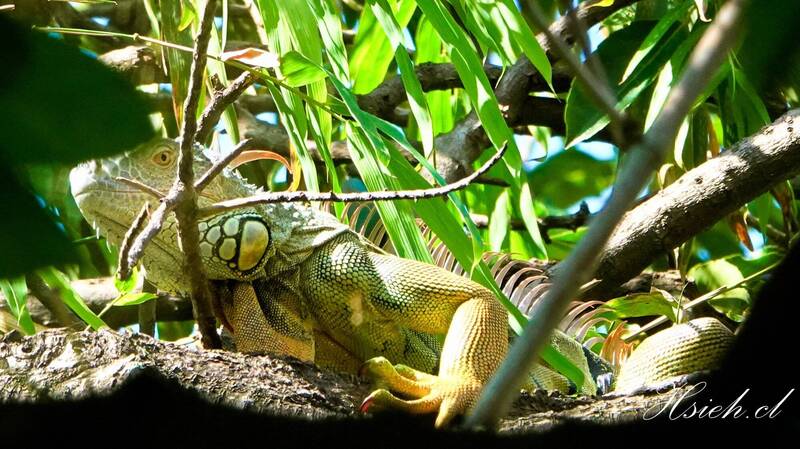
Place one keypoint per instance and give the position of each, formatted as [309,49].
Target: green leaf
[58,105]
[178,62]
[499,222]
[648,46]
[583,119]
[132,299]
[297,70]
[372,53]
[524,37]
[640,304]
[718,273]
[416,97]
[481,95]
[59,281]
[430,49]
[124,286]
[216,68]
[294,25]
[15,291]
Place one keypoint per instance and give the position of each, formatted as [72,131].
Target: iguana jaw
[110,207]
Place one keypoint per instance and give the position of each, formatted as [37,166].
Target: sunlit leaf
[640,304]
[582,117]
[59,281]
[297,70]
[15,291]
[132,299]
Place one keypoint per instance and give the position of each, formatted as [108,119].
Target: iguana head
[234,245]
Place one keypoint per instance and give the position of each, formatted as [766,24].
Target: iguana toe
[426,393]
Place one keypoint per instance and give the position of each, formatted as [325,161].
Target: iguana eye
[164,158]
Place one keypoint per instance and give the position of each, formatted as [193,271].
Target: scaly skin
[293,280]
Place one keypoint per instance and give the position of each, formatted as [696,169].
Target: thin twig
[123,268]
[148,233]
[217,168]
[581,34]
[580,266]
[210,116]
[599,92]
[141,186]
[283,197]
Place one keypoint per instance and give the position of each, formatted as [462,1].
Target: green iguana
[294,280]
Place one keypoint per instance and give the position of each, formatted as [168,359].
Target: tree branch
[303,196]
[186,205]
[579,267]
[222,100]
[700,198]
[457,150]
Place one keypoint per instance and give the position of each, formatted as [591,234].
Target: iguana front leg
[371,303]
[265,321]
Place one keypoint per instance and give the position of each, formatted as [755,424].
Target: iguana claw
[427,393]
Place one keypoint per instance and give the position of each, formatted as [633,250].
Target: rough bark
[61,365]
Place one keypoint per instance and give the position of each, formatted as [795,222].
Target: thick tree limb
[168,381]
[700,198]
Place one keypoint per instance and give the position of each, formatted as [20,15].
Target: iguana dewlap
[294,280]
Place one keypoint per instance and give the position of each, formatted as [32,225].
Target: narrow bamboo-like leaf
[368,150]
[15,291]
[660,93]
[416,97]
[297,70]
[59,281]
[330,29]
[524,37]
[487,30]
[372,53]
[582,118]
[216,45]
[478,88]
[397,216]
[429,49]
[654,37]
[178,62]
[290,117]
[132,299]
[499,222]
